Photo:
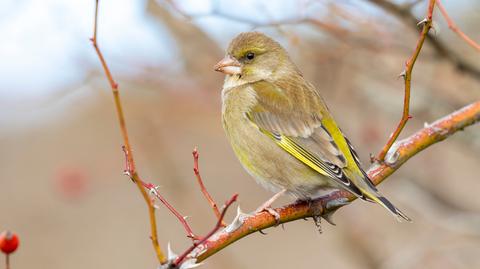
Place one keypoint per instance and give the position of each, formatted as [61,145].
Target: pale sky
[45,43]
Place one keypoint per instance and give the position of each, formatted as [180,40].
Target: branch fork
[407,76]
[142,186]
[392,156]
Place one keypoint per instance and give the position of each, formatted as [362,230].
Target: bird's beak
[229,65]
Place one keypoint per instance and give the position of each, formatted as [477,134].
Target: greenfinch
[281,130]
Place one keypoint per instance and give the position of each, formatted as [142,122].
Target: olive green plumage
[280,128]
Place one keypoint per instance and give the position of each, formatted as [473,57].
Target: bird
[281,130]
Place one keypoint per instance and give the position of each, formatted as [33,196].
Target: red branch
[130,163]
[219,225]
[407,75]
[130,170]
[153,190]
[211,244]
[207,195]
[404,150]
[454,27]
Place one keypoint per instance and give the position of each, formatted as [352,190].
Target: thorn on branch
[237,221]
[392,155]
[407,75]
[154,191]
[407,17]
[129,161]
[329,217]
[422,22]
[128,168]
[186,255]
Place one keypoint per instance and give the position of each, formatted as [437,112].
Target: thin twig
[179,216]
[333,29]
[207,195]
[454,27]
[153,190]
[219,225]
[123,127]
[210,244]
[406,16]
[405,149]
[407,75]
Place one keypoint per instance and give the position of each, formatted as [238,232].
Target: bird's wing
[297,120]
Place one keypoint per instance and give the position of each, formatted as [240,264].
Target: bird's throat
[232,81]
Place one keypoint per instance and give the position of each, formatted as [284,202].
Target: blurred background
[62,188]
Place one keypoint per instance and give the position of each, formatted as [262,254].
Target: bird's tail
[379,199]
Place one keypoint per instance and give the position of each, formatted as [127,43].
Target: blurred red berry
[71,182]
[8,242]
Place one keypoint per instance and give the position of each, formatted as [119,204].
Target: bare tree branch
[196,171]
[454,27]
[405,15]
[128,149]
[395,154]
[407,76]
[398,155]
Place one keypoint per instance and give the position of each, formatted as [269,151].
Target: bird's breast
[268,163]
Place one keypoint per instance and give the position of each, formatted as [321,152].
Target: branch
[243,225]
[335,30]
[405,15]
[196,171]
[324,206]
[130,170]
[217,227]
[407,76]
[153,190]
[454,27]
[128,149]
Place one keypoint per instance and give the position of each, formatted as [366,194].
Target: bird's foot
[317,220]
[271,211]
[267,206]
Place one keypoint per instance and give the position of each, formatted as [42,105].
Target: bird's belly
[270,165]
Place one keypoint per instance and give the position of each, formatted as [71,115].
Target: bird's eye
[250,55]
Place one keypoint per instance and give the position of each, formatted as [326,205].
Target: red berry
[8,242]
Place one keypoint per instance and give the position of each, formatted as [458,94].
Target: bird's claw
[270,211]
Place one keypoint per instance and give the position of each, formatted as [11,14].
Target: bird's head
[253,56]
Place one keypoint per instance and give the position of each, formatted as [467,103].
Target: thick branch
[217,227]
[399,154]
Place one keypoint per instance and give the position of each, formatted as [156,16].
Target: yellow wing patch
[324,168]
